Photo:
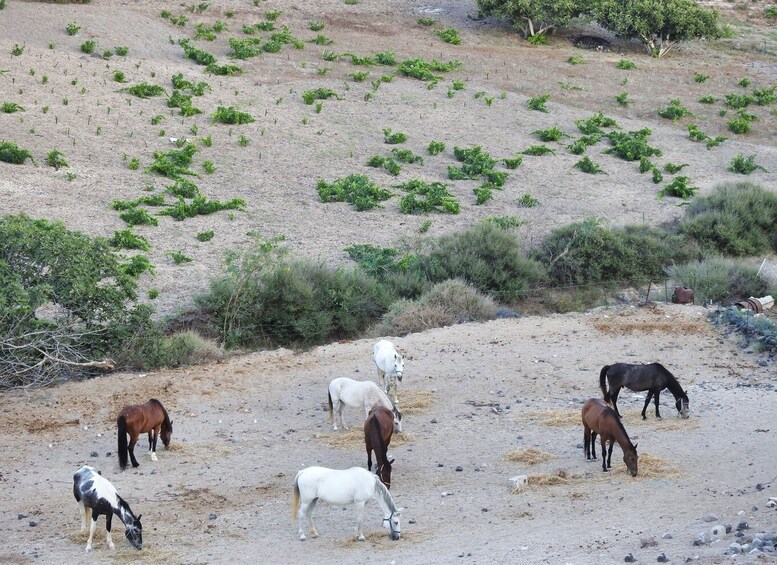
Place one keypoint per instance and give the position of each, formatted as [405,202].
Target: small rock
[212,516]
[743,526]
[459,468]
[461,554]
[484,509]
[411,521]
[580,446]
[434,420]
[440,465]
[647,542]
[21,515]
[710,518]
[108,454]
[728,528]
[763,362]
[94,454]
[734,549]
[718,531]
[702,538]
[667,535]
[662,558]
[629,558]
[33,523]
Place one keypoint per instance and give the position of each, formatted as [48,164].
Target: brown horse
[136,419]
[378,428]
[598,418]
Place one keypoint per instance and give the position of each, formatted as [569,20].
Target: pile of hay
[557,418]
[414,401]
[528,456]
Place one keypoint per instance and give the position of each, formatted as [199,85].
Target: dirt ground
[472,394]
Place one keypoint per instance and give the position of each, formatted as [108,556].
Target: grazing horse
[95,496]
[598,418]
[653,378]
[358,394]
[136,419]
[390,365]
[378,428]
[350,486]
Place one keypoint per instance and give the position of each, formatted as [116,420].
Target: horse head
[391,523]
[166,433]
[399,366]
[630,458]
[384,472]
[683,406]
[397,419]
[134,533]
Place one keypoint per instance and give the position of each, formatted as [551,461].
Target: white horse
[95,496]
[390,365]
[350,486]
[358,394]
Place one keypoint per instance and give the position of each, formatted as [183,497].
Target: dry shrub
[528,456]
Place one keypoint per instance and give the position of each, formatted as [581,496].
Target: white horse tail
[331,413]
[295,500]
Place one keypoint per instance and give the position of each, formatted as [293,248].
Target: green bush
[393,137]
[232,115]
[449,35]
[485,256]
[436,147]
[88,46]
[200,206]
[550,134]
[625,65]
[174,163]
[679,188]
[310,96]
[12,153]
[149,348]
[631,146]
[125,239]
[719,280]
[586,252]
[424,197]
[744,165]
[145,90]
[737,219]
[538,103]
[354,189]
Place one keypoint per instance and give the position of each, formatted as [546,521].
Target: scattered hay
[561,476]
[49,425]
[654,467]
[354,437]
[380,539]
[528,456]
[557,418]
[413,402]
[674,327]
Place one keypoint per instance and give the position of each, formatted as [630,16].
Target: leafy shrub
[88,46]
[232,115]
[657,178]
[244,48]
[527,201]
[424,70]
[183,188]
[385,58]
[133,164]
[178,257]
[594,124]
[715,141]
[72,28]
[678,187]
[449,35]
[625,64]
[197,55]
[738,101]
[12,153]
[424,197]
[122,51]
[428,22]
[136,266]
[446,303]
[538,39]
[184,102]
[631,146]
[310,96]
[744,165]
[719,280]
[354,189]
[513,162]
[200,206]
[10,108]
[407,156]
[708,99]
[152,350]
[360,76]
[623,99]
[538,150]
[505,222]
[589,253]
[737,219]
[56,159]
[125,239]
[575,60]
[137,217]
[475,162]
[436,147]
[17,50]
[392,138]
[700,77]
[550,134]
[765,96]
[674,110]
[118,76]
[223,70]
[673,168]
[174,163]
[144,90]
[587,166]
[538,103]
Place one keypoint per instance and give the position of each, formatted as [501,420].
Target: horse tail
[603,382]
[295,499]
[331,410]
[378,433]
[122,424]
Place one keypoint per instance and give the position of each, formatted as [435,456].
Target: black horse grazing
[653,378]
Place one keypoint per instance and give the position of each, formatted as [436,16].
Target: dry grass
[381,540]
[654,467]
[675,327]
[348,439]
[557,418]
[415,401]
[528,456]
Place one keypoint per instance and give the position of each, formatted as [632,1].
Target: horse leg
[359,520]
[593,445]
[587,442]
[609,454]
[108,538]
[614,399]
[604,452]
[302,515]
[657,414]
[131,449]
[92,526]
[312,528]
[647,403]
[152,445]
[84,516]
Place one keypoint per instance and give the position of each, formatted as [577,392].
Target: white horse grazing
[351,486]
[390,365]
[358,394]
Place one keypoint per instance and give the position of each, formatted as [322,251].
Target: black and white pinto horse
[96,496]
[653,377]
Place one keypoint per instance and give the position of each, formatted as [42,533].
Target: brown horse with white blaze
[136,419]
[378,428]
[598,418]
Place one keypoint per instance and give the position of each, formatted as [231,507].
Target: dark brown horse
[378,428]
[136,419]
[598,418]
[653,377]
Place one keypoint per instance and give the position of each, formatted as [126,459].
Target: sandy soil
[472,394]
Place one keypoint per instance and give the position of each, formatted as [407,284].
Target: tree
[533,17]
[65,299]
[659,24]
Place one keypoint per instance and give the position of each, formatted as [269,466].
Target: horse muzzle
[394,536]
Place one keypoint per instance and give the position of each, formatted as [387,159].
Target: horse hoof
[361,538]
[302,538]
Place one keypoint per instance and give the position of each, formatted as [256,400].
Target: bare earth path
[472,393]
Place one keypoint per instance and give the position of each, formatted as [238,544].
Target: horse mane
[381,489]
[620,426]
[166,423]
[672,383]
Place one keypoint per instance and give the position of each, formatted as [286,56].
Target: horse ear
[635,446]
[391,462]
[138,518]
[399,510]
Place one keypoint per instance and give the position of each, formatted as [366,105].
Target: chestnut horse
[378,428]
[136,419]
[598,418]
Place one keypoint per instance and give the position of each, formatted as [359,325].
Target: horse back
[598,416]
[385,419]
